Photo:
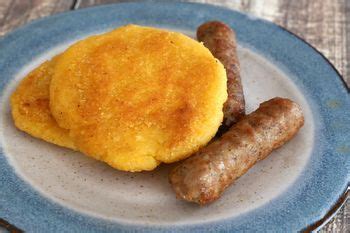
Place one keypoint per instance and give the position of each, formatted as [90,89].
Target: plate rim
[317,225]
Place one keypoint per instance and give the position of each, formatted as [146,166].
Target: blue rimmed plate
[45,188]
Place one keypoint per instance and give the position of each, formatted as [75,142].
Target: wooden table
[325,24]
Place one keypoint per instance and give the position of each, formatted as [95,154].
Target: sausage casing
[204,176]
[220,39]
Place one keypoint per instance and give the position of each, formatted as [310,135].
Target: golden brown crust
[220,39]
[203,177]
[30,107]
[138,96]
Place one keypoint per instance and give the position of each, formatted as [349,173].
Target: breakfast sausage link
[220,39]
[204,176]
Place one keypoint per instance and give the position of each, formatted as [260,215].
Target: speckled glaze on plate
[45,188]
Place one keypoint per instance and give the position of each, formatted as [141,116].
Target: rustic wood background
[325,24]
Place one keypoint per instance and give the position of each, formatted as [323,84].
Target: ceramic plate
[45,188]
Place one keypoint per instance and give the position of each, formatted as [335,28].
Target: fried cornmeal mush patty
[31,111]
[138,96]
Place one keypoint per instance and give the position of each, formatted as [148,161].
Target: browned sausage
[203,177]
[220,39]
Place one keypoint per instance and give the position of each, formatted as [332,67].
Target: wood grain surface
[325,24]
[14,13]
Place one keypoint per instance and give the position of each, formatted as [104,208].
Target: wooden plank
[88,3]
[322,23]
[341,222]
[15,13]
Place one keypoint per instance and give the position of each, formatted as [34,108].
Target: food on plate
[203,177]
[30,107]
[138,96]
[220,39]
